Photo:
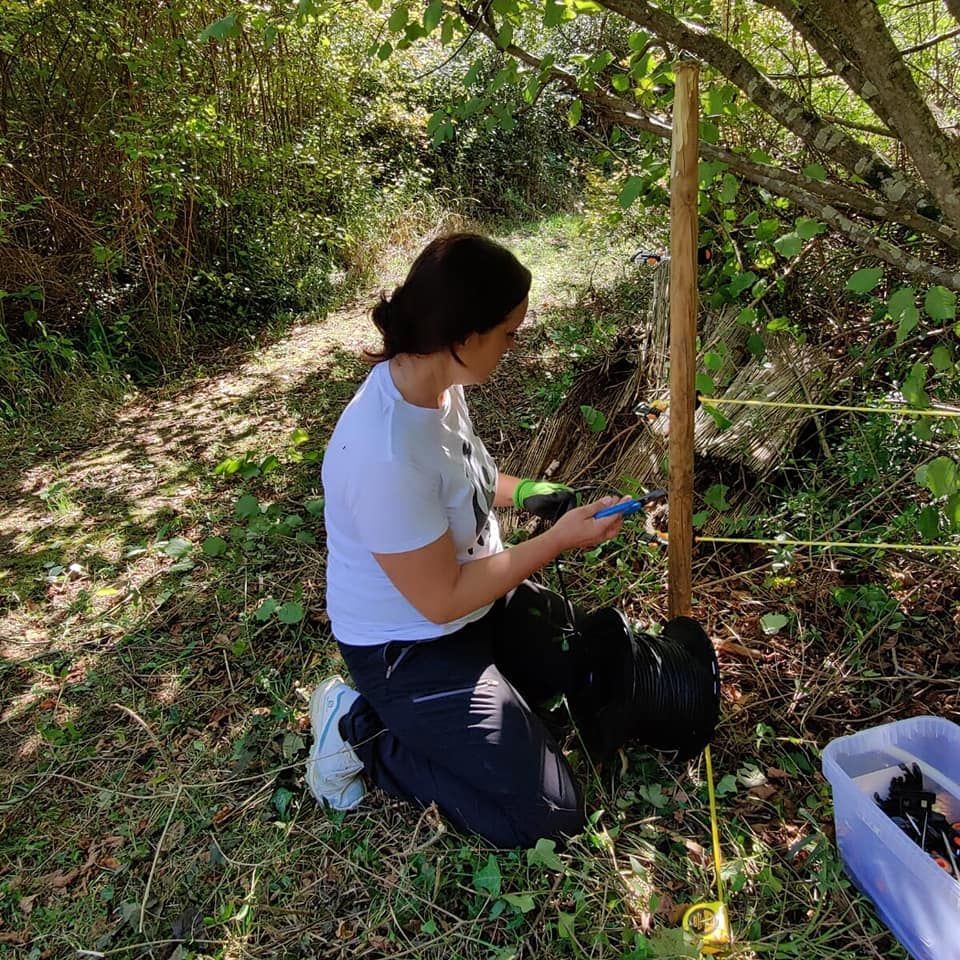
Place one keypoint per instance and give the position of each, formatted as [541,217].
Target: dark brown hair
[460,284]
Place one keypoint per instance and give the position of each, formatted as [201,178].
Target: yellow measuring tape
[708,920]
[896,411]
[928,547]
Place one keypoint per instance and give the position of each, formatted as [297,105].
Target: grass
[155,700]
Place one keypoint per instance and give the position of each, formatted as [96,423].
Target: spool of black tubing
[677,688]
[659,691]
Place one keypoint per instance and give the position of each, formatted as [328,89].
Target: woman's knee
[550,822]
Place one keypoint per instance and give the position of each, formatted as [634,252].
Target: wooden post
[683,331]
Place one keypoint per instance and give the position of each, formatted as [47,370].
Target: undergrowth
[164,625]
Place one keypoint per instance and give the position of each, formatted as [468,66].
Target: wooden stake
[683,331]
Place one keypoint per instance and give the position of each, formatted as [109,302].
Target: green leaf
[952,511]
[432,15]
[544,854]
[473,73]
[265,611]
[708,171]
[299,437]
[941,358]
[939,477]
[291,612]
[705,385]
[727,785]
[314,507]
[621,82]
[653,794]
[913,386]
[922,429]
[595,420]
[487,878]
[863,281]
[631,190]
[773,623]
[566,923]
[229,26]
[385,50]
[709,133]
[808,228]
[718,418]
[902,308]
[269,464]
[446,31]
[815,172]
[398,19]
[574,113]
[716,497]
[214,546]
[523,902]
[226,468]
[789,245]
[756,345]
[928,523]
[747,317]
[247,506]
[940,303]
[305,536]
[712,360]
[505,36]
[553,13]
[177,547]
[281,801]
[728,188]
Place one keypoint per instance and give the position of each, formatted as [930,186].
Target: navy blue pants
[453,721]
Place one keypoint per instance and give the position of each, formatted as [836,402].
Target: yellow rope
[896,411]
[929,548]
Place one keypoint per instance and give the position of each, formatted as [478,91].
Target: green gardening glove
[549,501]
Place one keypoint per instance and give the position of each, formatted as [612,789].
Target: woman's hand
[578,528]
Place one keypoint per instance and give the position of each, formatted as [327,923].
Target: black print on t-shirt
[481,479]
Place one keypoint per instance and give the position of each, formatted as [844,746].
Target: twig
[156,857]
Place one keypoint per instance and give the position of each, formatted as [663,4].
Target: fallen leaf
[26,904]
[697,853]
[222,814]
[763,791]
[14,936]
[775,773]
[108,863]
[59,880]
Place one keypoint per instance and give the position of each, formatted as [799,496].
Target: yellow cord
[714,829]
[896,411]
[927,547]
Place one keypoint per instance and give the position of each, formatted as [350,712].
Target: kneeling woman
[449,645]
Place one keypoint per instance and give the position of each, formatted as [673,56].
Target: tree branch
[826,138]
[891,86]
[949,35]
[821,200]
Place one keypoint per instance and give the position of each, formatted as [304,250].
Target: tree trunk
[891,86]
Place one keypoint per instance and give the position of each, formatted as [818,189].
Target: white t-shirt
[396,477]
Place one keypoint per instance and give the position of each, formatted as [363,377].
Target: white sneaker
[333,768]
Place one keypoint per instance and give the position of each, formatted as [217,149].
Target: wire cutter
[630,507]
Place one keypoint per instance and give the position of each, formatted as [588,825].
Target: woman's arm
[442,589]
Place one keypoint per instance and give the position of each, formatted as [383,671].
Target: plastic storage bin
[914,897]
